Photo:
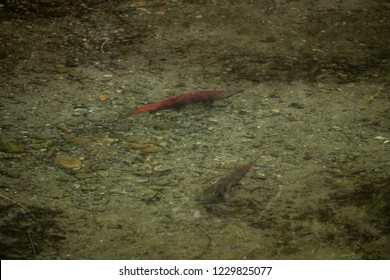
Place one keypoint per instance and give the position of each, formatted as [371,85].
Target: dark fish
[216,192]
[207,96]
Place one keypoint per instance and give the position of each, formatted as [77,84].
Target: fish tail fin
[229,93]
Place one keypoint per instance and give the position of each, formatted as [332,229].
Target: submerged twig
[103,44]
[32,243]
[14,202]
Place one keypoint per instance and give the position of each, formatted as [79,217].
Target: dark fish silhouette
[216,192]
[207,96]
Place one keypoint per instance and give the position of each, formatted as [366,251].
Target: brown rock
[68,162]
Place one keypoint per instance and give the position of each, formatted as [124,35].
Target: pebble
[81,101]
[150,150]
[139,4]
[81,141]
[36,147]
[97,220]
[104,97]
[68,162]
[261,175]
[196,214]
[162,182]
[162,168]
[63,178]
[78,75]
[297,105]
[135,146]
[88,188]
[12,147]
[61,68]
[266,158]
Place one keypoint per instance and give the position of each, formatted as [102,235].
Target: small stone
[162,168]
[68,162]
[63,178]
[78,75]
[196,214]
[266,158]
[162,182]
[260,175]
[104,97]
[106,140]
[88,188]
[297,105]
[43,136]
[74,73]
[97,220]
[62,70]
[36,147]
[85,81]
[134,146]
[13,148]
[150,150]
[82,101]
[139,4]
[81,141]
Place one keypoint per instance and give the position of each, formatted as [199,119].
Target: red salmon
[206,96]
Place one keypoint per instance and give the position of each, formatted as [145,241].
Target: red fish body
[188,98]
